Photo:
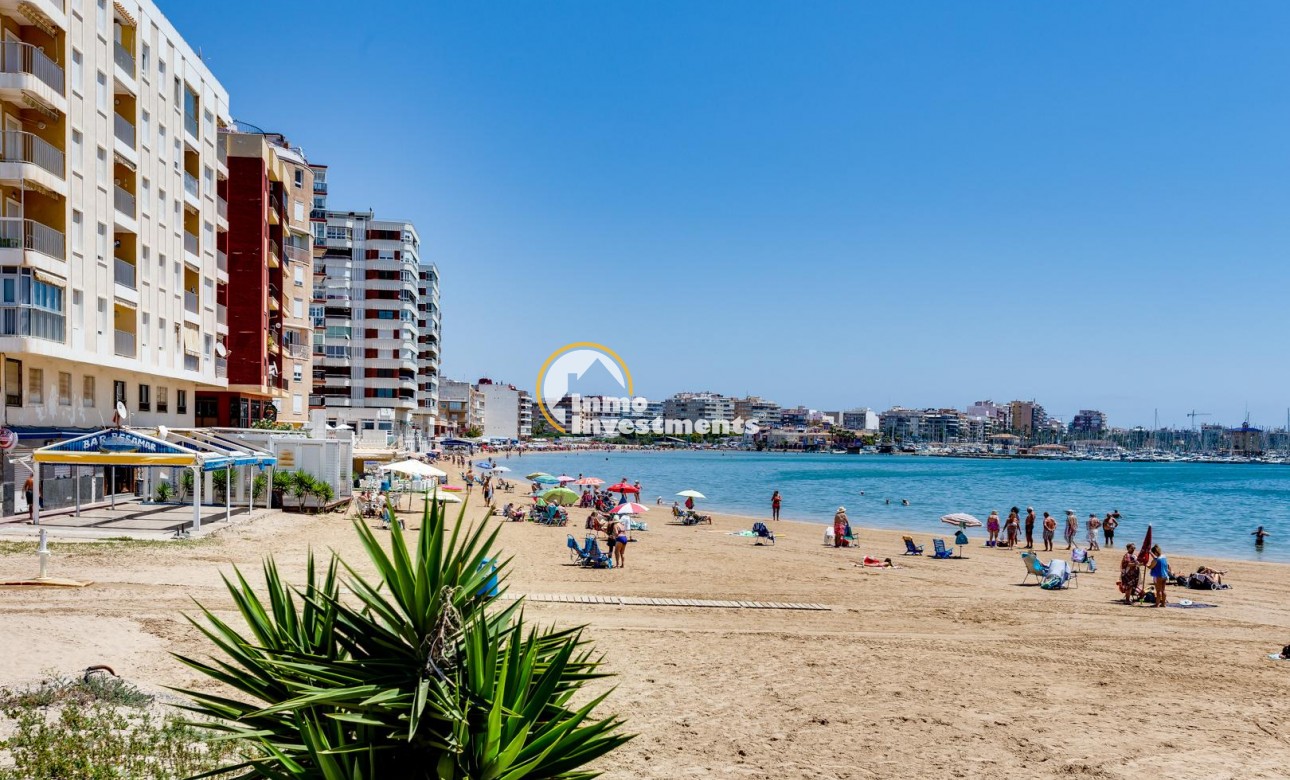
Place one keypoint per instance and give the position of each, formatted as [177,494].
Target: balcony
[27,234]
[298,351]
[123,199]
[299,254]
[275,261]
[192,190]
[124,274]
[192,247]
[26,157]
[191,303]
[125,343]
[221,368]
[27,72]
[221,263]
[221,154]
[221,209]
[123,75]
[320,187]
[126,138]
[192,362]
[190,127]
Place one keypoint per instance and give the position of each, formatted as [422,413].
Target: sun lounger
[596,558]
[1033,568]
[1080,557]
[939,550]
[910,547]
[763,533]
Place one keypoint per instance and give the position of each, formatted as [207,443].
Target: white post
[76,475]
[228,492]
[42,552]
[112,488]
[268,489]
[197,506]
[35,492]
[250,489]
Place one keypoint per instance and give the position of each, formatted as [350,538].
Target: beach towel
[1185,604]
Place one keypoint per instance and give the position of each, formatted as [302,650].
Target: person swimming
[1259,536]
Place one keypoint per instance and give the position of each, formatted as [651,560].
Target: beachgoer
[992,525]
[840,525]
[1213,574]
[1093,525]
[1160,573]
[1129,574]
[1108,529]
[619,530]
[1072,524]
[904,502]
[1258,535]
[1030,528]
[775,501]
[1050,528]
[29,486]
[1012,527]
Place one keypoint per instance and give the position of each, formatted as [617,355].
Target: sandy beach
[937,669]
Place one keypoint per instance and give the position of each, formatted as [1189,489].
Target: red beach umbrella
[629,509]
[623,487]
[1144,554]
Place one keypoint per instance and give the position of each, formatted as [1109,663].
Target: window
[12,382]
[145,57]
[163,399]
[145,128]
[181,401]
[145,398]
[300,177]
[145,265]
[297,404]
[298,308]
[298,373]
[78,232]
[118,392]
[78,142]
[339,232]
[100,166]
[299,277]
[87,392]
[162,150]
[100,91]
[78,71]
[35,386]
[145,200]
[143,334]
[208,180]
[64,388]
[101,242]
[161,336]
[178,88]
[102,17]
[102,316]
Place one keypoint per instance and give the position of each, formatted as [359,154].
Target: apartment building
[754,408]
[699,406]
[461,407]
[108,242]
[366,316]
[428,329]
[508,411]
[265,353]
[1089,423]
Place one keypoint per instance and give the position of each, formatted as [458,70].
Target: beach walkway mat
[649,601]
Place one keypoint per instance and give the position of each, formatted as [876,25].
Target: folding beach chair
[1033,568]
[596,558]
[1080,557]
[910,547]
[763,533]
[1060,576]
[576,553]
[940,550]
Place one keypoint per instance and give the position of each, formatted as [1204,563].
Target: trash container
[490,585]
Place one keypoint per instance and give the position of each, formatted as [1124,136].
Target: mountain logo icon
[582,368]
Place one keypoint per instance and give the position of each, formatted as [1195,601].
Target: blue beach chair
[1033,568]
[763,533]
[940,550]
[596,558]
[910,547]
[577,554]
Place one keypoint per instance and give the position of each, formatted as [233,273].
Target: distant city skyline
[840,203]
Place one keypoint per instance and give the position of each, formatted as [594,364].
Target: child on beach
[1050,529]
[1160,573]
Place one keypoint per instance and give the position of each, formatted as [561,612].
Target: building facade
[366,313]
[428,329]
[507,411]
[1089,423]
[266,353]
[461,407]
[755,408]
[699,406]
[108,243]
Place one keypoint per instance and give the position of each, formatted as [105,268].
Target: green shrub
[165,491]
[418,672]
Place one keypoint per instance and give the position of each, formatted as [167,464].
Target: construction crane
[1193,414]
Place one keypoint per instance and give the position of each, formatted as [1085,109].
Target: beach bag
[1051,583]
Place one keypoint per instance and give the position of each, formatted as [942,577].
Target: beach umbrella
[546,479]
[691,494]
[414,468]
[498,469]
[592,481]
[452,488]
[629,509]
[565,479]
[962,520]
[444,498]
[1144,552]
[561,496]
[537,474]
[623,487]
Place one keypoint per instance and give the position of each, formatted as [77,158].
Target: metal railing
[221,207]
[221,152]
[298,351]
[221,368]
[19,57]
[124,59]
[124,201]
[124,273]
[20,146]
[221,262]
[192,362]
[221,314]
[191,185]
[299,254]
[190,125]
[191,302]
[125,343]
[190,244]
[320,187]
[16,232]
[124,129]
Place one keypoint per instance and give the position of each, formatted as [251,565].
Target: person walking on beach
[840,525]
[1030,528]
[1072,524]
[619,531]
[774,506]
[1050,528]
[1160,572]
[1258,535]
[1129,573]
[992,525]
[1012,527]
[1093,525]
[1108,529]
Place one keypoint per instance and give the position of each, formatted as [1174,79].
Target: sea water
[1194,508]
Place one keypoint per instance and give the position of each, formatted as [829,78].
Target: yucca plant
[423,673]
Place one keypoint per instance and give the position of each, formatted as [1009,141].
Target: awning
[48,278]
[192,341]
[137,447]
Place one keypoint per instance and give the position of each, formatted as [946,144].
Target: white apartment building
[108,242]
[429,324]
[508,411]
[366,315]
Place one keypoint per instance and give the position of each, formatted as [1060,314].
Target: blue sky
[833,204]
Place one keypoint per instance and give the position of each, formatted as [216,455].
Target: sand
[938,669]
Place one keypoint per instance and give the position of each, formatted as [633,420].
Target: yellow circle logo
[561,375]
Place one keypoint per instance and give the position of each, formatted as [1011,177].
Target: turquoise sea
[1195,508]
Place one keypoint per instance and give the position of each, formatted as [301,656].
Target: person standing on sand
[1012,527]
[1072,524]
[1160,572]
[1129,573]
[992,525]
[774,506]
[840,524]
[619,530]
[1108,529]
[1050,528]
[1093,525]
[1030,528]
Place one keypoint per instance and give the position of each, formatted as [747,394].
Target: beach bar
[199,451]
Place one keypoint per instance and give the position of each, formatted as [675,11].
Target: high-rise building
[754,408]
[1027,417]
[108,244]
[1089,422]
[267,356]
[508,411]
[366,314]
[428,329]
[461,407]
[699,406]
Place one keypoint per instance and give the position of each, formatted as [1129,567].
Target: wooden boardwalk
[649,601]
